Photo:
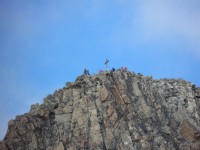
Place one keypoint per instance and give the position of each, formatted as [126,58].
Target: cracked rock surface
[113,111]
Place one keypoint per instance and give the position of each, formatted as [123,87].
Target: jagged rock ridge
[118,110]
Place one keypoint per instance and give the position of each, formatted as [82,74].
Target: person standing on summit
[85,71]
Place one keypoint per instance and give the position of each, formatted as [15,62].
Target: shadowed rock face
[119,110]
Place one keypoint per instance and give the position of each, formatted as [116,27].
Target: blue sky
[44,44]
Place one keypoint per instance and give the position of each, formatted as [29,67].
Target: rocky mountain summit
[119,110]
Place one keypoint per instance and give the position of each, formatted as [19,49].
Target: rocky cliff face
[119,110]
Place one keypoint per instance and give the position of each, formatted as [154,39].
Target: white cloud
[160,18]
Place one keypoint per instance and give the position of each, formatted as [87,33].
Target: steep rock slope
[119,110]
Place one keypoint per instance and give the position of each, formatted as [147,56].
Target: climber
[85,71]
[125,69]
[122,69]
[88,73]
[106,63]
[113,69]
[111,73]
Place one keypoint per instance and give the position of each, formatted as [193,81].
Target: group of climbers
[124,69]
[86,72]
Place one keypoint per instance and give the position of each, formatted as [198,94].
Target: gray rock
[117,111]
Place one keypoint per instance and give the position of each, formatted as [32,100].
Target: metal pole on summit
[106,64]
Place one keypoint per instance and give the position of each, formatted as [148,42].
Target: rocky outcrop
[117,110]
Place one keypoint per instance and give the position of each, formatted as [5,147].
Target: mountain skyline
[45,44]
